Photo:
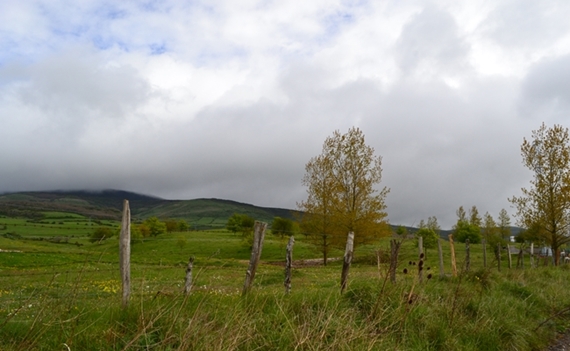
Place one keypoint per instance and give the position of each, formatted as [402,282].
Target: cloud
[186,100]
[545,91]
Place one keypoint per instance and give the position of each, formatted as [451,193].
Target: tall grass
[73,302]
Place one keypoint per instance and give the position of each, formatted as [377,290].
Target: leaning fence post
[188,282]
[288,264]
[125,253]
[258,235]
[347,261]
[453,261]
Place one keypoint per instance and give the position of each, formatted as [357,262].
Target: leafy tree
[171,225]
[402,231]
[474,217]
[155,226]
[466,229]
[546,204]
[504,225]
[282,227]
[183,226]
[491,232]
[341,191]
[241,223]
[144,229]
[234,223]
[429,232]
[100,234]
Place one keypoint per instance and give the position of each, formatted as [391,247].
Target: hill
[107,204]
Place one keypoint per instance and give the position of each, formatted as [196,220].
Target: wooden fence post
[347,261]
[188,282]
[453,261]
[394,251]
[467,255]
[499,257]
[440,253]
[258,236]
[288,265]
[125,253]
[531,255]
[520,258]
[509,256]
[484,253]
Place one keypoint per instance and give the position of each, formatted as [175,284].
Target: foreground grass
[54,297]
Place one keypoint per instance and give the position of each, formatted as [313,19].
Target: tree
[100,234]
[240,223]
[282,227]
[546,204]
[429,232]
[171,225]
[467,229]
[155,226]
[504,225]
[183,226]
[474,217]
[491,232]
[341,191]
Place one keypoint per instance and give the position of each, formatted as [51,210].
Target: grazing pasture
[65,294]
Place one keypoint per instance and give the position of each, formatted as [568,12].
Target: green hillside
[107,204]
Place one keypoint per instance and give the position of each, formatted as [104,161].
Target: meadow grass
[54,297]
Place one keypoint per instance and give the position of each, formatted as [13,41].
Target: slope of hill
[107,204]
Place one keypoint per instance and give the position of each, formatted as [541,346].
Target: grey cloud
[545,91]
[75,85]
[431,37]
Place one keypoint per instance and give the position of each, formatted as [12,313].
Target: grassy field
[66,295]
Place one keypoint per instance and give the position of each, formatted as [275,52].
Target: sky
[230,99]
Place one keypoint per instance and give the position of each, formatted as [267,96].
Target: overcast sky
[230,99]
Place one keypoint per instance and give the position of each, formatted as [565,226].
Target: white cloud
[231,100]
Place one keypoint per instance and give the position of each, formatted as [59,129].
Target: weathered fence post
[509,256]
[531,255]
[453,261]
[258,236]
[347,261]
[125,253]
[288,265]
[484,253]
[394,251]
[499,257]
[421,256]
[520,258]
[188,282]
[467,255]
[440,253]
